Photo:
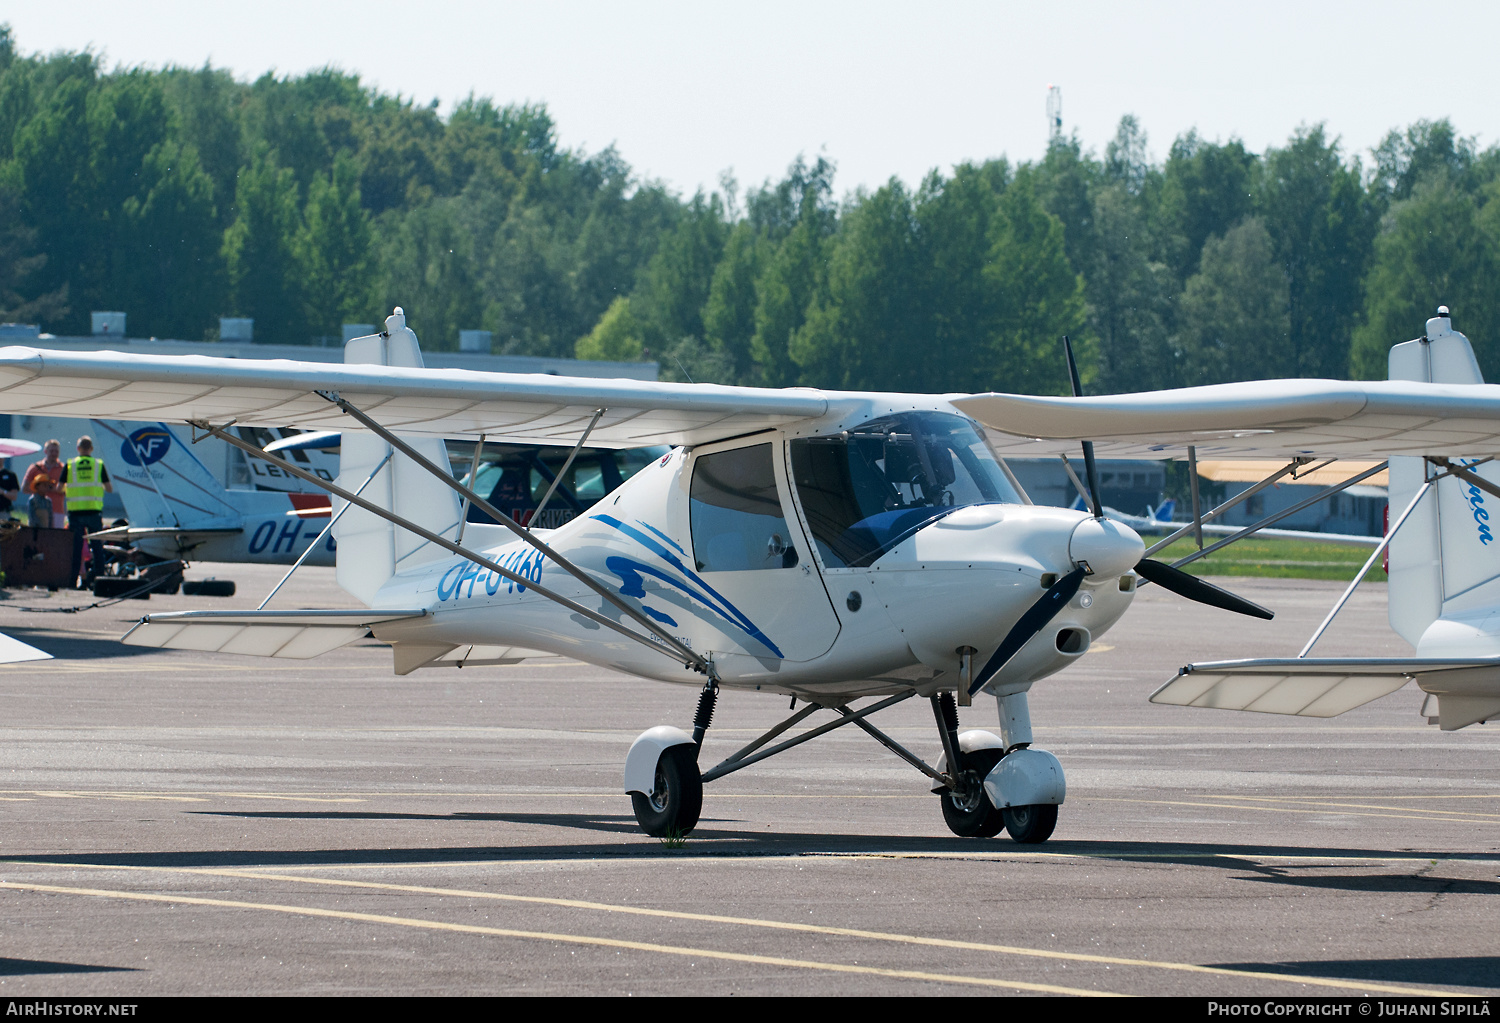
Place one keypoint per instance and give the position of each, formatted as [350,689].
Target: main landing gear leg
[967,810]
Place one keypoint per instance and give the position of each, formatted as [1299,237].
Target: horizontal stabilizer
[1317,687]
[132,534]
[294,634]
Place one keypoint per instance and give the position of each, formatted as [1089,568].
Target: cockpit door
[749,549]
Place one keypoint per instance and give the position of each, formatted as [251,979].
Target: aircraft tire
[672,810]
[1031,824]
[982,820]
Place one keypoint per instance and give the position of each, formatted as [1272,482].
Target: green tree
[171,234]
[799,215]
[729,313]
[1439,247]
[333,250]
[1038,296]
[615,338]
[1206,190]
[259,252]
[1235,321]
[864,330]
[956,301]
[1322,222]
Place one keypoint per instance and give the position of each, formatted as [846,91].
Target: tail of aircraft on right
[1444,591]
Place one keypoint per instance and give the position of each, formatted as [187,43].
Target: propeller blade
[1033,621]
[1090,470]
[1193,588]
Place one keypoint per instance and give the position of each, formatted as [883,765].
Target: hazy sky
[687,90]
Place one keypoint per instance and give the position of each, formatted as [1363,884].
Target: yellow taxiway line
[572,939]
[806,928]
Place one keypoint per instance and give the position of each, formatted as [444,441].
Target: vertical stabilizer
[159,479]
[1446,559]
[370,549]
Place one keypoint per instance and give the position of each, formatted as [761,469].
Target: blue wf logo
[146,446]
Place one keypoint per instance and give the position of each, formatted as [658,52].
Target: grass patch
[1275,558]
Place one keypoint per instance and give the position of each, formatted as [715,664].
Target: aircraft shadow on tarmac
[718,838]
[1410,884]
[1458,971]
[71,646]
[24,967]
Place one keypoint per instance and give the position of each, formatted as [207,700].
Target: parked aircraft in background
[176,508]
[829,546]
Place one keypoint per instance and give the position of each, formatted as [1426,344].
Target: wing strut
[1360,575]
[666,646]
[1276,517]
[307,553]
[536,516]
[1243,495]
[682,652]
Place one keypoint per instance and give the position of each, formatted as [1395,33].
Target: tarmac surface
[186,823]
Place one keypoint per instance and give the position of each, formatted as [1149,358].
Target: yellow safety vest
[85,486]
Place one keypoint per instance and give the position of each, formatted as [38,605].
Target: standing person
[41,481]
[10,489]
[85,481]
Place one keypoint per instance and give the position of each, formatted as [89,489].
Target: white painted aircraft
[178,509]
[828,546]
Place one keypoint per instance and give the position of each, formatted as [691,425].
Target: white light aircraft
[827,546]
[177,509]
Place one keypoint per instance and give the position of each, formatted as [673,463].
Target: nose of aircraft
[1110,548]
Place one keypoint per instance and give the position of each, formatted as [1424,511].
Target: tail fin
[370,549]
[1446,559]
[1078,504]
[1166,511]
[159,479]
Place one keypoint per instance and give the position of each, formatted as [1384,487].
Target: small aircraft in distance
[824,545]
[178,510]
[1160,520]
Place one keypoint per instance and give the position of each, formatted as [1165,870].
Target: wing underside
[288,634]
[1468,689]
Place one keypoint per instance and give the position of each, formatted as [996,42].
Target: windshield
[867,489]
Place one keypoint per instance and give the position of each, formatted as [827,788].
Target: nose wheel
[1031,824]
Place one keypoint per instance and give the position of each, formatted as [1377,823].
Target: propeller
[1159,572]
[1059,593]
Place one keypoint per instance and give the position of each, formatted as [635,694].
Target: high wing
[529,407]
[1261,418]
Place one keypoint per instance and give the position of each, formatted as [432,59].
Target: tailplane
[1445,561]
[371,549]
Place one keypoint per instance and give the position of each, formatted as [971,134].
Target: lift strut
[223,434]
[681,651]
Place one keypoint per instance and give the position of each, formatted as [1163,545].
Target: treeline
[181,195]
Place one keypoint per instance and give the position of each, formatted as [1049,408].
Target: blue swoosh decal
[633,585]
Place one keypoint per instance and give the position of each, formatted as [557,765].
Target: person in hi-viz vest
[84,482]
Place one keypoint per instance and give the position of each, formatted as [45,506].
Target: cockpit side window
[867,489]
[736,514]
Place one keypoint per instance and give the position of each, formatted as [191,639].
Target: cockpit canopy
[867,489]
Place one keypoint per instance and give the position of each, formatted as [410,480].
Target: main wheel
[1031,824]
[971,814]
[672,808]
